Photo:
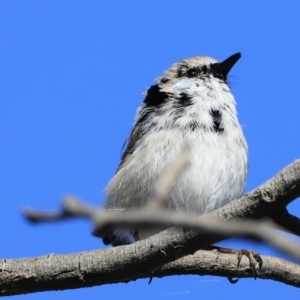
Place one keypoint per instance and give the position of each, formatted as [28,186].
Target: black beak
[222,69]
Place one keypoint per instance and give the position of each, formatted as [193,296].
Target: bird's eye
[192,73]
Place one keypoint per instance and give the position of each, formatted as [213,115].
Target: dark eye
[192,73]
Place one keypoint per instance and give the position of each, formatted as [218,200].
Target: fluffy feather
[191,103]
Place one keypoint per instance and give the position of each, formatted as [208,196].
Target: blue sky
[72,75]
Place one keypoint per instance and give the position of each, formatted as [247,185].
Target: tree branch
[152,216]
[216,264]
[61,272]
[139,259]
[289,222]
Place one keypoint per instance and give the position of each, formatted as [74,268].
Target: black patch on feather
[184,100]
[193,125]
[217,119]
[164,80]
[155,96]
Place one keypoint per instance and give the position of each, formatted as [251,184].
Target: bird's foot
[255,259]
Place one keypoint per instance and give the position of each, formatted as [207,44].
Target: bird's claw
[254,259]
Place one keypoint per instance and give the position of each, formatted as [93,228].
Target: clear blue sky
[72,75]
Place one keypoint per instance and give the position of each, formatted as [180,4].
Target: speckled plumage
[190,103]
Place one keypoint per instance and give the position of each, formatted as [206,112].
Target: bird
[191,103]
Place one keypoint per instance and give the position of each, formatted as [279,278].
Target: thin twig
[71,207]
[164,218]
[169,179]
[238,228]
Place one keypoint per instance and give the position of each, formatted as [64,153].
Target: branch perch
[61,272]
[125,263]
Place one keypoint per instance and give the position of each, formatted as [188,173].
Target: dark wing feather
[137,132]
[108,236]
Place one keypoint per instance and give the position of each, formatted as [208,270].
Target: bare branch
[164,218]
[124,263]
[288,222]
[36,216]
[71,207]
[61,272]
[169,178]
[239,228]
[207,224]
[216,264]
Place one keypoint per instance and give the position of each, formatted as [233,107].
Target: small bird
[191,103]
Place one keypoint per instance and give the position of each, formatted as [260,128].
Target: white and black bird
[191,103]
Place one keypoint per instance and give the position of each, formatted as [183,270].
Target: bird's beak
[223,68]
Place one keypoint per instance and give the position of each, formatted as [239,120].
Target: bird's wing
[136,134]
[108,235]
